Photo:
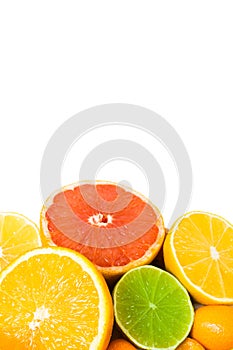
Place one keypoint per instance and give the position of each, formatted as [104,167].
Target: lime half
[152,308]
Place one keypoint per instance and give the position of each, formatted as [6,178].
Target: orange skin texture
[190,344]
[213,327]
[120,344]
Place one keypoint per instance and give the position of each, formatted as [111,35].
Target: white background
[60,57]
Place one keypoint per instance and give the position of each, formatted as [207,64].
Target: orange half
[54,298]
[113,226]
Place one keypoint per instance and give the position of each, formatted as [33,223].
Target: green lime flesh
[152,308]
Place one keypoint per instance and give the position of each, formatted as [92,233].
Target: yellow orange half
[198,250]
[18,234]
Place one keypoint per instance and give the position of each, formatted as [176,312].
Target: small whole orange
[190,344]
[213,327]
[120,344]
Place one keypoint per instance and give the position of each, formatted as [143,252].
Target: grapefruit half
[112,225]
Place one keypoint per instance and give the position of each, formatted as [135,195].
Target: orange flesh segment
[207,255]
[131,231]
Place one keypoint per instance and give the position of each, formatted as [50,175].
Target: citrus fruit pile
[103,273]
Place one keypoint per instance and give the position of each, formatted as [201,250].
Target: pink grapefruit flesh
[114,227]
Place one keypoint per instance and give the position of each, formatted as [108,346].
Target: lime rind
[152,308]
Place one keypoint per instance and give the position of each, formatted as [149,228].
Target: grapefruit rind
[173,265]
[105,301]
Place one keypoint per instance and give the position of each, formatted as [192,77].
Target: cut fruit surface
[18,234]
[54,298]
[114,227]
[198,250]
[152,308]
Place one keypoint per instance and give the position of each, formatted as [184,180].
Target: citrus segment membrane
[199,251]
[54,298]
[18,234]
[152,308]
[111,225]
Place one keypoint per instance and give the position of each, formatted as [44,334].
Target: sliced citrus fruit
[198,250]
[54,298]
[18,234]
[152,308]
[113,226]
[213,327]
